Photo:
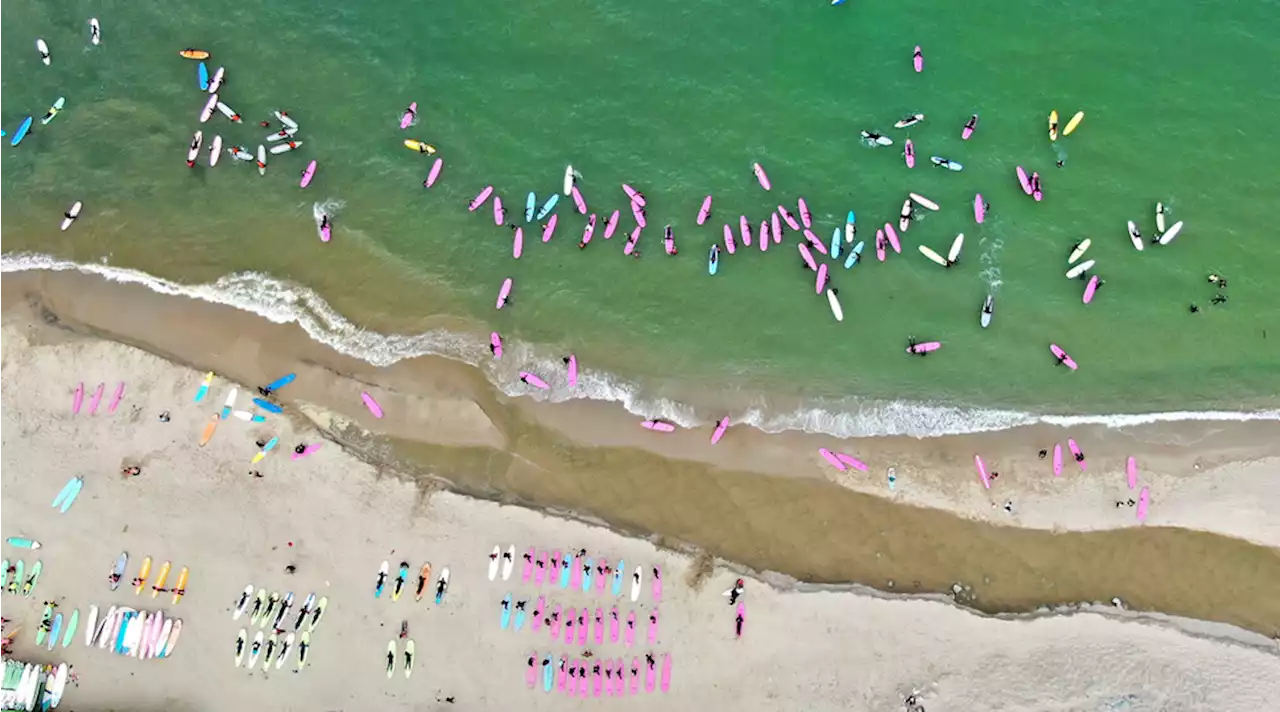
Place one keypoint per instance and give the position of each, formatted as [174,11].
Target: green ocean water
[678,99]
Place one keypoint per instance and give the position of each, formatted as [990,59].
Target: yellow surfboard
[208,430]
[419,146]
[181,588]
[141,581]
[159,586]
[1073,123]
[1053,125]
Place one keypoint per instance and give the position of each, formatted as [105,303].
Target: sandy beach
[825,649]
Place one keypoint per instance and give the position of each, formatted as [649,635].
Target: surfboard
[1077,454]
[1174,229]
[91,626]
[43,50]
[267,405]
[761,176]
[1090,289]
[409,115]
[979,209]
[1063,357]
[323,604]
[494,557]
[909,120]
[1160,217]
[934,256]
[141,580]
[1080,269]
[954,253]
[419,146]
[243,603]
[508,562]
[1078,251]
[1053,125]
[262,159]
[923,201]
[1023,180]
[988,311]
[548,206]
[1057,459]
[442,585]
[505,618]
[401,577]
[180,589]
[53,110]
[946,163]
[54,631]
[381,581]
[32,579]
[1135,236]
[530,205]
[409,650]
[969,127]
[304,647]
[65,492]
[904,217]
[1073,123]
[70,632]
[256,650]
[432,176]
[1131,472]
[285,147]
[567,187]
[271,444]
[713,259]
[160,579]
[371,404]
[21,133]
[855,255]
[832,301]
[876,140]
[924,348]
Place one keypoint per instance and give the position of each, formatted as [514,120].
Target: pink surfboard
[1090,289]
[550,228]
[614,625]
[528,565]
[805,217]
[1035,187]
[745,230]
[775,222]
[880,243]
[599,625]
[1024,181]
[96,399]
[656,586]
[630,635]
[720,428]
[77,398]
[307,174]
[791,219]
[892,234]
[637,212]
[917,59]
[533,380]
[705,211]
[653,627]
[498,213]
[495,344]
[539,610]
[553,568]
[669,241]
[610,226]
[597,680]
[619,681]
[761,176]
[582,626]
[503,293]
[632,240]
[807,255]
[115,399]
[969,127]
[608,676]
[531,669]
[540,568]
[635,676]
[409,114]
[832,459]
[666,672]
[1075,452]
[982,471]
[659,426]
[573,370]
[326,231]
[371,404]
[852,461]
[979,208]
[517,243]
[1057,459]
[763,236]
[924,348]
[1144,500]
[571,620]
[583,682]
[432,176]
[305,451]
[909,153]
[729,243]
[578,201]
[602,575]
[588,231]
[1131,469]
[821,281]
[480,198]
[1062,356]
[636,197]
[813,240]
[575,576]
[650,676]
[563,674]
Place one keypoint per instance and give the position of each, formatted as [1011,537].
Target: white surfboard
[1079,251]
[493,562]
[74,212]
[946,163]
[924,202]
[904,218]
[836,310]
[256,650]
[1135,236]
[878,140]
[43,49]
[284,119]
[227,111]
[194,149]
[215,150]
[988,310]
[928,252]
[285,147]
[245,597]
[95,31]
[568,180]
[911,120]
[216,82]
[242,644]
[262,160]
[91,626]
[509,563]
[1164,239]
[282,135]
[954,253]
[1160,213]
[209,106]
[636,579]
[1080,269]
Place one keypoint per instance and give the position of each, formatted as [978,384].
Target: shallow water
[678,100]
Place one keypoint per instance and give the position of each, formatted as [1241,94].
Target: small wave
[281,302]
[327,209]
[990,260]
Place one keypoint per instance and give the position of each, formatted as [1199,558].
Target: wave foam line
[281,302]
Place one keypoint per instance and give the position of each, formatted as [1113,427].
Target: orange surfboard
[208,430]
[191,53]
[181,587]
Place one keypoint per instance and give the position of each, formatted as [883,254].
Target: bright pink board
[805,217]
[880,242]
[892,234]
[1035,187]
[1131,469]
[599,627]
[539,611]
[656,586]
[503,293]
[582,626]
[761,176]
[705,211]
[791,219]
[96,399]
[610,226]
[614,624]
[540,568]
[533,380]
[745,230]
[1090,289]
[982,471]
[720,428]
[764,236]
[909,153]
[602,574]
[832,459]
[306,451]
[852,461]
[495,344]
[1062,356]
[77,399]
[498,213]
[115,399]
[813,240]
[979,208]
[666,672]
[653,626]
[807,255]
[1024,181]
[658,426]
[589,230]
[637,212]
[307,174]
[517,243]
[775,222]
[637,198]
[917,59]
[371,404]
[924,348]
[583,681]
[578,201]
[1144,500]
[1057,459]
[550,228]
[409,113]
[531,669]
[571,620]
[632,240]
[821,280]
[630,635]
[573,370]
[1079,456]
[528,566]
[729,243]
[619,682]
[650,676]
[432,176]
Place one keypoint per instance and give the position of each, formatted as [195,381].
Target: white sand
[199,507]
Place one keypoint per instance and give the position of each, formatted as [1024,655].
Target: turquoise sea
[679,99]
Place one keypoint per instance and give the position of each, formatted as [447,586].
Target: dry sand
[803,649]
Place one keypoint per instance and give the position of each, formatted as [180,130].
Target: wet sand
[765,501]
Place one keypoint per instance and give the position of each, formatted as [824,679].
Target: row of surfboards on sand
[27,684]
[402,582]
[576,571]
[272,609]
[589,677]
[140,581]
[15,579]
[576,623]
[129,632]
[95,400]
[273,649]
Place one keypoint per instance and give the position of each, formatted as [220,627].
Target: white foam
[281,302]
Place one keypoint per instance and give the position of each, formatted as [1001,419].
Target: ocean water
[679,100]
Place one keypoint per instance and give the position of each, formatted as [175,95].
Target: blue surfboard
[565,570]
[713,259]
[21,133]
[855,255]
[529,205]
[281,382]
[267,405]
[204,76]
[549,205]
[835,244]
[548,673]
[506,611]
[617,576]
[586,574]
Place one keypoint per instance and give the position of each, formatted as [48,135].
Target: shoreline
[763,500]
